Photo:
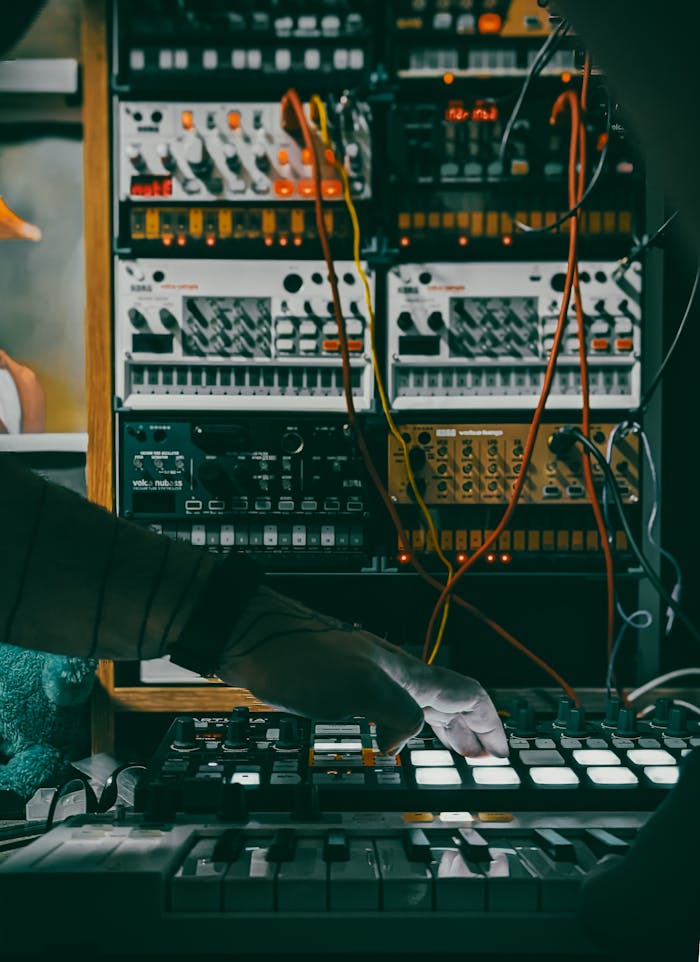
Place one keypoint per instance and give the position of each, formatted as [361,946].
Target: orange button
[331,188]
[355,345]
[490,23]
[234,119]
[187,119]
[624,344]
[306,188]
[283,157]
[600,344]
[306,157]
[331,345]
[283,188]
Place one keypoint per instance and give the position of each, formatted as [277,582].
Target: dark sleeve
[649,52]
[645,905]
[74,579]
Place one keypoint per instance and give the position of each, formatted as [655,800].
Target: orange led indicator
[306,157]
[234,119]
[283,188]
[181,240]
[403,558]
[297,241]
[505,558]
[269,241]
[490,558]
[507,240]
[566,77]
[330,157]
[307,188]
[448,78]
[187,119]
[461,558]
[404,241]
[331,345]
[283,157]
[331,188]
[624,344]
[210,240]
[462,240]
[355,346]
[490,23]
[600,344]
[167,239]
[283,240]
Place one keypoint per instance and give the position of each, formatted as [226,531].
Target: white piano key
[437,776]
[439,758]
[249,883]
[650,756]
[406,885]
[301,882]
[586,756]
[546,775]
[612,775]
[458,886]
[511,885]
[353,886]
[196,886]
[559,881]
[662,774]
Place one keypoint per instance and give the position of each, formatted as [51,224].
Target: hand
[304,662]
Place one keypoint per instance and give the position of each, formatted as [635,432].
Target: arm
[76,580]
[31,394]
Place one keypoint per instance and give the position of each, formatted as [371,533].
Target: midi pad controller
[383,885]
[285,763]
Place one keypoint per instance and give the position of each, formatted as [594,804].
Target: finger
[452,693]
[457,735]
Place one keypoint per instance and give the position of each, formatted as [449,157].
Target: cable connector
[561,441]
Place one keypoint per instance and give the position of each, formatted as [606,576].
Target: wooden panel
[205,699]
[96,180]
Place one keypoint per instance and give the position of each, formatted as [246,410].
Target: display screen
[482,111]
[148,186]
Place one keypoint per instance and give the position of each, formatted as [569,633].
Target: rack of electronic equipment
[250,391]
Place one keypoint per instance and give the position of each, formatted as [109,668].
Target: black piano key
[601,842]
[555,845]
[283,846]
[228,845]
[417,846]
[473,846]
[335,846]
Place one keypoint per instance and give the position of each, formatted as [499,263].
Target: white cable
[648,709]
[657,682]
[629,427]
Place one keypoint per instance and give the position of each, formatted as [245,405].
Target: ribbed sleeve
[75,580]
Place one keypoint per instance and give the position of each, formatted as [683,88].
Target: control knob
[166,157]
[197,156]
[677,722]
[288,740]
[184,740]
[137,319]
[563,712]
[577,723]
[626,723]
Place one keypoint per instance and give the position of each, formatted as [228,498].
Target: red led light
[404,557]
[505,558]
[151,187]
[297,241]
[490,558]
[181,240]
[269,241]
[283,241]
[462,240]
[404,241]
[482,111]
[507,240]
[461,558]
[210,240]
